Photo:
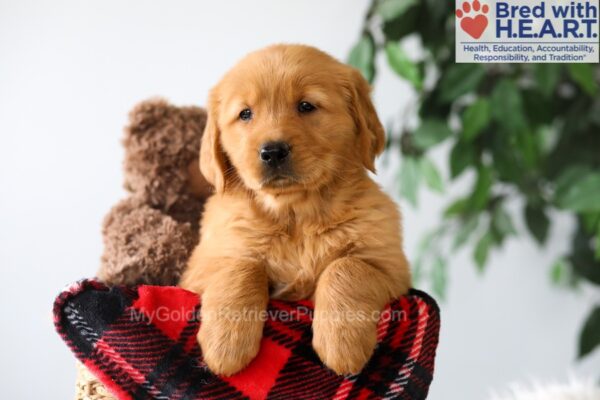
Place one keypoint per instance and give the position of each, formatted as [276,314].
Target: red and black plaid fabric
[141,343]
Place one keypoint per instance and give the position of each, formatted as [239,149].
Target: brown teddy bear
[149,235]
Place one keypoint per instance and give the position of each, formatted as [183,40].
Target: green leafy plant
[528,133]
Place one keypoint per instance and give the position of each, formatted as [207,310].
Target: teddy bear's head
[162,144]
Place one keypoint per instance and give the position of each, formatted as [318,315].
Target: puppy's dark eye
[246,114]
[306,107]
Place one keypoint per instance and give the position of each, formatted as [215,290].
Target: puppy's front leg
[232,303]
[349,296]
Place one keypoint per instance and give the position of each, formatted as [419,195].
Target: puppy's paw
[345,347]
[229,346]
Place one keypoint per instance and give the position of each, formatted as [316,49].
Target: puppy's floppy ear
[369,128]
[212,158]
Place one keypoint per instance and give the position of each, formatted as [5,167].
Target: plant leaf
[583,75]
[591,224]
[527,146]
[597,244]
[430,133]
[462,155]
[559,271]
[402,65]
[581,194]
[502,223]
[460,79]
[456,208]
[546,76]
[431,175]
[507,106]
[403,25]
[433,107]
[390,9]
[591,221]
[439,277]
[409,179]
[428,246]
[482,249]
[426,242]
[464,233]
[362,56]
[570,174]
[481,191]
[582,256]
[475,118]
[538,108]
[589,337]
[537,222]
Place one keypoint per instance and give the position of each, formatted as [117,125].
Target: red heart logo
[474,26]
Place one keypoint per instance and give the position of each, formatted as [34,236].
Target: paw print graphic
[475,25]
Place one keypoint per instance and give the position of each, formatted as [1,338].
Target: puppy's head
[288,119]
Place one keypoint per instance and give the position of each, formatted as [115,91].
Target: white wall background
[69,73]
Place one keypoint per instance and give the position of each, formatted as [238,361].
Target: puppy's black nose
[273,154]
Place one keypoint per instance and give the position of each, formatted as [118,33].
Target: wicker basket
[88,387]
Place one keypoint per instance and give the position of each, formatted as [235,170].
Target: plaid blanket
[141,343]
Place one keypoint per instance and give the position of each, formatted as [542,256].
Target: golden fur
[328,233]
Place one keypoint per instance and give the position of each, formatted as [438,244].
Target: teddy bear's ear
[212,158]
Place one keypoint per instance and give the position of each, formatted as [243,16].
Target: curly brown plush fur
[149,235]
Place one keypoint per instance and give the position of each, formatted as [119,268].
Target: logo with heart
[473,18]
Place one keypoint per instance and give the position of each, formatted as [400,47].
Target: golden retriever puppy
[290,137]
